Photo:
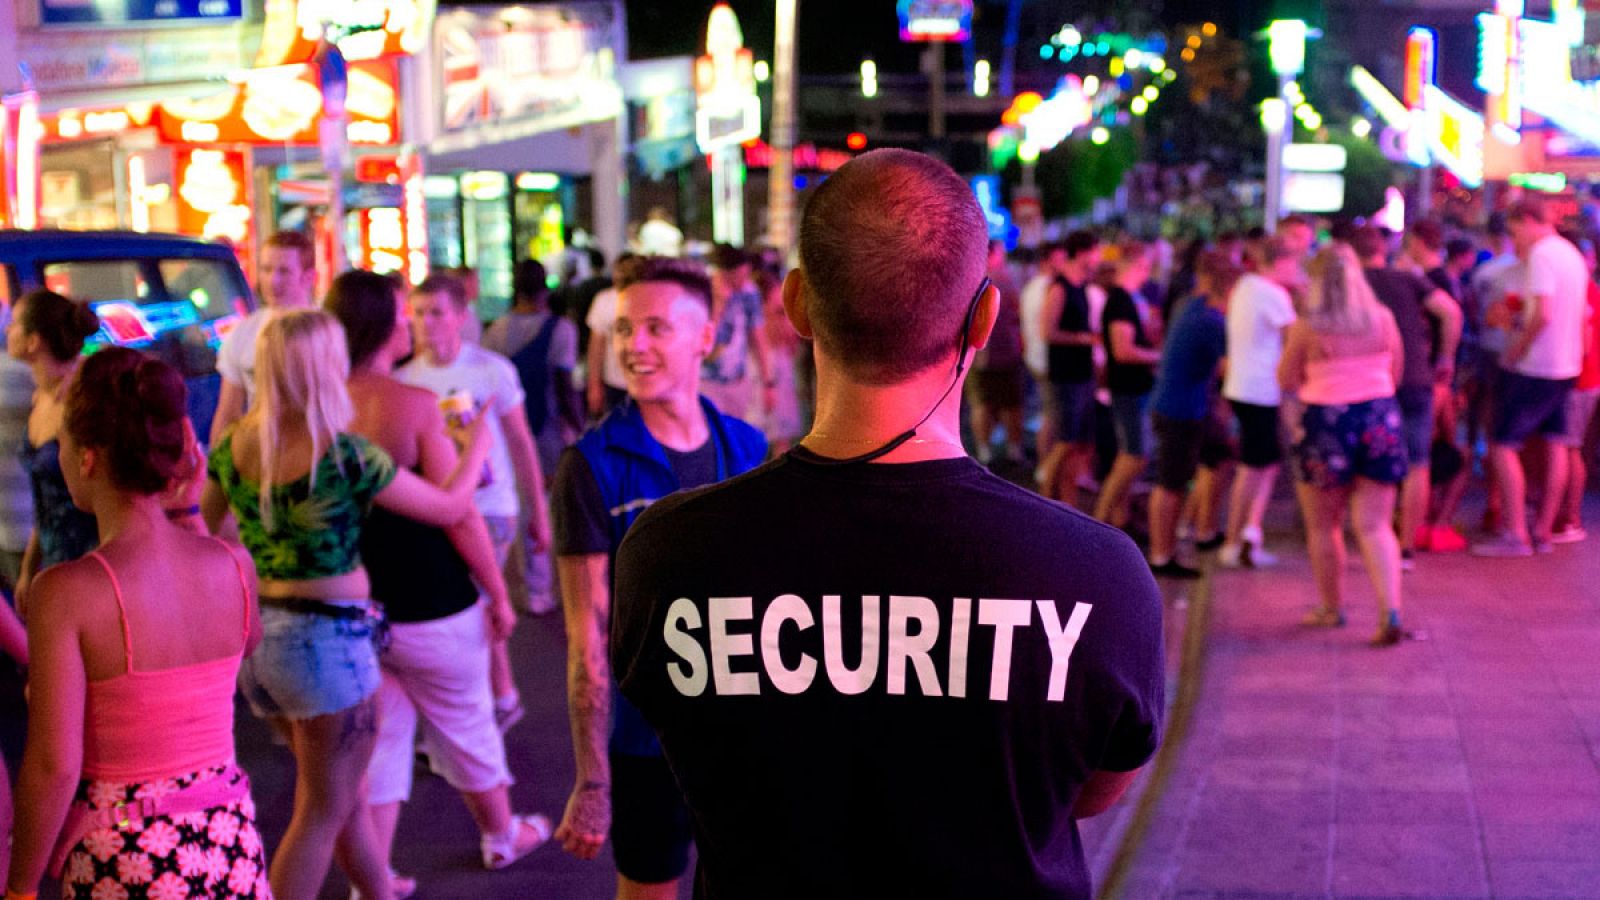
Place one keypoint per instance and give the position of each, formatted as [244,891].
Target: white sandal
[501,850]
[401,886]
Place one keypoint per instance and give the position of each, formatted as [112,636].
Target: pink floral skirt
[211,854]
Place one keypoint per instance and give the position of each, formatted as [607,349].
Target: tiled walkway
[1463,765]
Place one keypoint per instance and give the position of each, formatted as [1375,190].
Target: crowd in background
[384,443]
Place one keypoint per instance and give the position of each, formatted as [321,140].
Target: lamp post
[1286,48]
[780,191]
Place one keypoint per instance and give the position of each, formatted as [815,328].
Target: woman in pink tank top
[128,782]
[1342,359]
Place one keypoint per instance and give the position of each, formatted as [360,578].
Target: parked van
[171,296]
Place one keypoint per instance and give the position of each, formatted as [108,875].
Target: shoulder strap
[244,586]
[122,610]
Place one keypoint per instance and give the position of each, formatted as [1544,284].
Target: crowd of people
[1384,367]
[387,483]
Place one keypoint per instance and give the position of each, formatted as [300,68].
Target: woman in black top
[47,332]
[1130,332]
[436,668]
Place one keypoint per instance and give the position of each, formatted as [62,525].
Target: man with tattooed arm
[664,438]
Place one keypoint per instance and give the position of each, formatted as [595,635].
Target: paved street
[1460,766]
[1463,765]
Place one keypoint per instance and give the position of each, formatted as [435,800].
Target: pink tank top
[145,726]
[1343,380]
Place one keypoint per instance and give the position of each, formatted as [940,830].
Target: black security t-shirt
[1126,378]
[1406,295]
[886,680]
[578,513]
[1072,363]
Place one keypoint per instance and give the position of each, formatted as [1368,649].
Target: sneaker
[1209,543]
[1257,557]
[1323,617]
[1504,546]
[1444,539]
[526,834]
[1570,534]
[1408,560]
[507,714]
[1173,569]
[1422,540]
[1230,556]
[1543,545]
[541,605]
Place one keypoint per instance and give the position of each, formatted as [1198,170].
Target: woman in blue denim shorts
[1342,358]
[300,487]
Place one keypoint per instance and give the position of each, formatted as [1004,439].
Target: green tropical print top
[316,531]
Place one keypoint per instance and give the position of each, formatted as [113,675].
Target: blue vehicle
[171,296]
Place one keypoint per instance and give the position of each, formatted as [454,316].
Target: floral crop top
[317,530]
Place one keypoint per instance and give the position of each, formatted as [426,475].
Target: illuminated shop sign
[728,109]
[808,157]
[1545,182]
[364,29]
[284,106]
[214,194]
[121,12]
[540,67]
[20,133]
[935,20]
[1455,136]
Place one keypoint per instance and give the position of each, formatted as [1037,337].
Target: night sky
[836,34]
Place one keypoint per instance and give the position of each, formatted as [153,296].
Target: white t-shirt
[658,238]
[492,381]
[1258,311]
[1557,274]
[236,358]
[603,315]
[1035,351]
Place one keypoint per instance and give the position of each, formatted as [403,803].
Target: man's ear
[795,291]
[984,318]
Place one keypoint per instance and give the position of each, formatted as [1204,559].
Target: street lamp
[869,78]
[1286,49]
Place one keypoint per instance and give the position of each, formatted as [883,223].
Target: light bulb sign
[728,109]
[935,20]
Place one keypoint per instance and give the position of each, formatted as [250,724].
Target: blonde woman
[1343,357]
[301,486]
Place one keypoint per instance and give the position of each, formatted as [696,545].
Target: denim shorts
[1074,411]
[1131,419]
[309,665]
[1348,441]
[1416,420]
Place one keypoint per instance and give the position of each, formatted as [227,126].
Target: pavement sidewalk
[1463,765]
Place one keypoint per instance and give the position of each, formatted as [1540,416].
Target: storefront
[98,71]
[523,119]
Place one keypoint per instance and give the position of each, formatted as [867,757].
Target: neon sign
[1421,45]
[729,110]
[1455,136]
[284,105]
[935,20]
[364,29]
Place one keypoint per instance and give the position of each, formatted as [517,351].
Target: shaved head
[892,245]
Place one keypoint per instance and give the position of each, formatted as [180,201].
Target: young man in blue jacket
[665,438]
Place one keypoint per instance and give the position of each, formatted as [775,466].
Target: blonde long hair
[1339,300]
[302,365]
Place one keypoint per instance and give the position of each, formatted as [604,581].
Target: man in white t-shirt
[1035,349]
[1260,310]
[658,236]
[1543,356]
[603,368]
[446,365]
[286,279]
